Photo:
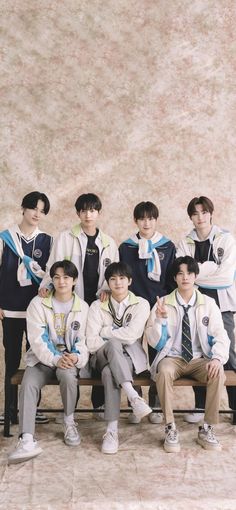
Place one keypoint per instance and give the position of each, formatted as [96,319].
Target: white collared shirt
[120,307]
[176,350]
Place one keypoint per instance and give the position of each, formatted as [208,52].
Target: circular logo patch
[161,255]
[205,321]
[220,252]
[128,318]
[37,253]
[75,325]
[106,262]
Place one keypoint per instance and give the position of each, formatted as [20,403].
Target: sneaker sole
[145,413]
[208,446]
[109,452]
[77,443]
[41,422]
[171,449]
[17,460]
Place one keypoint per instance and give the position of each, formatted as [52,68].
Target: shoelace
[210,434]
[171,434]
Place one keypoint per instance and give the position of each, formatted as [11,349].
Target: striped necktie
[187,351]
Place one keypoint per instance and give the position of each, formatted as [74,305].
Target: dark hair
[204,201]
[69,268]
[191,264]
[88,201]
[30,201]
[118,268]
[145,209]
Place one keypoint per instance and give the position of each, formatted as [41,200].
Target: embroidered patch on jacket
[128,318]
[205,321]
[37,253]
[75,325]
[220,252]
[106,262]
[161,255]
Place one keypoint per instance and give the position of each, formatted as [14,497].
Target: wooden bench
[142,380]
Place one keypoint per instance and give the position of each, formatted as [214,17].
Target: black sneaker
[41,418]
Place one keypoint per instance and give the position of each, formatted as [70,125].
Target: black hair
[145,209]
[204,201]
[191,264]
[88,201]
[30,201]
[118,268]
[69,268]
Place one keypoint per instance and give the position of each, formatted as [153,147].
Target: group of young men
[85,304]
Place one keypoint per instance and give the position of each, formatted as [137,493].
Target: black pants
[13,331]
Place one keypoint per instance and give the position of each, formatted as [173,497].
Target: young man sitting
[56,329]
[187,331]
[114,338]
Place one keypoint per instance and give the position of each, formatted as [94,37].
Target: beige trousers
[170,369]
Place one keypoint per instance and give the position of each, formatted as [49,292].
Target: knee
[67,377]
[114,346]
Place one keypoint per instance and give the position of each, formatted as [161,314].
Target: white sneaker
[71,435]
[24,450]
[171,443]
[193,417]
[155,418]
[134,420]
[206,438]
[140,407]
[99,415]
[110,443]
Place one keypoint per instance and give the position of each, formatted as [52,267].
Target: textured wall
[133,100]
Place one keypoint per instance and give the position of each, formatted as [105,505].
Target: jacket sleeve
[94,326]
[221,275]
[156,332]
[114,257]
[38,334]
[217,335]
[134,329]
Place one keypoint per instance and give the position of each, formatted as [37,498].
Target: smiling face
[147,226]
[201,219]
[63,284]
[184,279]
[31,217]
[119,286]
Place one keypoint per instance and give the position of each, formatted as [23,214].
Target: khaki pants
[170,369]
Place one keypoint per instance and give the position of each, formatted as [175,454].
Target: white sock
[129,390]
[69,420]
[112,426]
[28,437]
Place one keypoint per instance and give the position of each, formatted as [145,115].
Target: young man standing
[24,251]
[187,331]
[150,256]
[91,251]
[56,329]
[215,251]
[114,338]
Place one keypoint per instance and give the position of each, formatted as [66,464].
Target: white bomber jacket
[160,333]
[41,332]
[220,273]
[71,245]
[100,329]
